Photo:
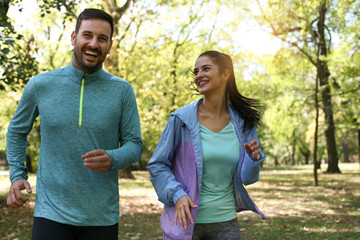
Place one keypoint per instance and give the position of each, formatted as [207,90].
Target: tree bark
[359,147]
[316,182]
[276,162]
[306,153]
[28,163]
[126,173]
[323,76]
[293,150]
[345,147]
[112,61]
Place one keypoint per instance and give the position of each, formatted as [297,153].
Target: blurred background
[299,58]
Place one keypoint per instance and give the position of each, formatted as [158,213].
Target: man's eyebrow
[86,32]
[104,35]
[101,35]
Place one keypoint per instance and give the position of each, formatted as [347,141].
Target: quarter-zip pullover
[78,113]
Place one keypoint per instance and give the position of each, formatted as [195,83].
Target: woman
[206,154]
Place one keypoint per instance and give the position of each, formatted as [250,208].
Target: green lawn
[294,209]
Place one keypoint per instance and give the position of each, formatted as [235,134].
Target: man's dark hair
[93,13]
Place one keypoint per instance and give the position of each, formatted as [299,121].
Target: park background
[300,58]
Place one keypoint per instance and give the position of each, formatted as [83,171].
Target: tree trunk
[292,162]
[28,164]
[306,155]
[323,76]
[112,61]
[345,147]
[126,173]
[316,182]
[276,162]
[359,147]
[305,151]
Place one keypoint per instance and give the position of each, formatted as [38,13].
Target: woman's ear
[226,75]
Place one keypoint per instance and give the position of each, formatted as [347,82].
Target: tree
[284,82]
[307,26]
[16,62]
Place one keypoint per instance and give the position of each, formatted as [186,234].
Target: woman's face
[207,76]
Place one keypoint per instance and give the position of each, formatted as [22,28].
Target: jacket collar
[188,115]
[76,75]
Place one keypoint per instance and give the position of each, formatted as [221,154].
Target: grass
[293,208]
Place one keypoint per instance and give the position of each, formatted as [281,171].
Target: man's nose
[93,42]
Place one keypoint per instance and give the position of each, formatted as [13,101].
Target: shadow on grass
[294,209]
[298,228]
[140,226]
[17,224]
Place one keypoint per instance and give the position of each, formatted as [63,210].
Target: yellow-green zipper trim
[81,100]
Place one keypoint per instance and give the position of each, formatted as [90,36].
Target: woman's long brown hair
[247,108]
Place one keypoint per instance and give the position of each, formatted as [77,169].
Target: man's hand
[183,205]
[97,160]
[253,149]
[15,199]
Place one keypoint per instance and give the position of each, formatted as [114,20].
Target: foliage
[311,30]
[160,72]
[7,107]
[156,46]
[17,64]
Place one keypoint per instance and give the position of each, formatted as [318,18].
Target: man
[85,114]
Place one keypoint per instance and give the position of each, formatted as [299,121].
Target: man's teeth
[91,53]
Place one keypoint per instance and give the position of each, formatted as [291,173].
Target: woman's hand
[183,206]
[253,149]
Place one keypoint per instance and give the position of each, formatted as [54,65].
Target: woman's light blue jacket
[176,167]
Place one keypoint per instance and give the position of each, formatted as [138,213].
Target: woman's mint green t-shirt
[221,154]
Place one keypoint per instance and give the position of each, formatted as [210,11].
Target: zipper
[81,100]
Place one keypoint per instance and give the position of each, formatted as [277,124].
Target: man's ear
[73,37]
[111,42]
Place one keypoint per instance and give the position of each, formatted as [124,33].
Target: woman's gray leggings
[228,230]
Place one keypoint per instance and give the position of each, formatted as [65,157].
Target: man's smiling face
[91,44]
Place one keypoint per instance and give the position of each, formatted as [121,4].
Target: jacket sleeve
[18,130]
[251,167]
[167,188]
[131,144]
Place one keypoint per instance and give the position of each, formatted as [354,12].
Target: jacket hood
[188,114]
